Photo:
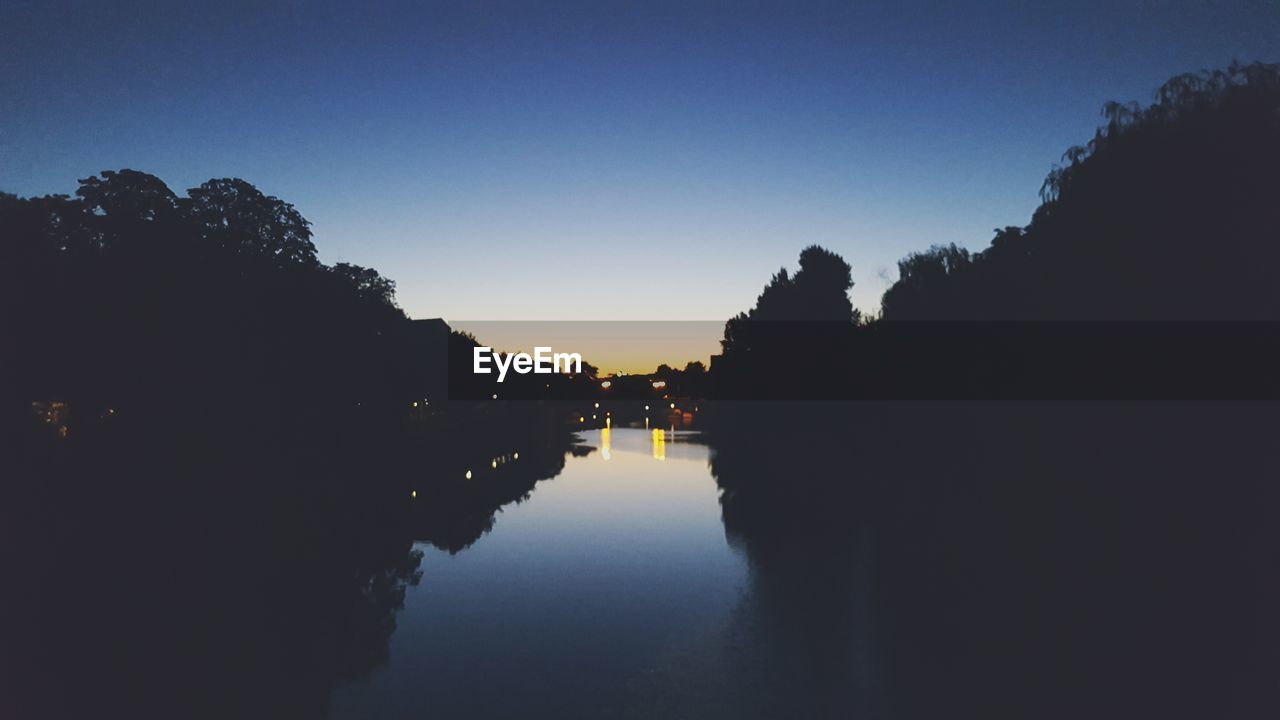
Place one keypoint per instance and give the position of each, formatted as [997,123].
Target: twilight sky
[598,160]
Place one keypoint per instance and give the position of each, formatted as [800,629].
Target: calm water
[908,562]
[611,591]
[842,561]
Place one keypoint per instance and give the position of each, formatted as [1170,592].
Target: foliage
[1168,212]
[131,297]
[818,291]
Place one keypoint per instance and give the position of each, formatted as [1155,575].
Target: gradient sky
[598,160]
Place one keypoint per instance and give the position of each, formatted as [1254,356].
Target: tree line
[129,297]
[1167,214]
[128,293]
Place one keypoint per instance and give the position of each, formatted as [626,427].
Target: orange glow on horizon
[614,348]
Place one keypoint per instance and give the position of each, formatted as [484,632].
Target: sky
[598,160]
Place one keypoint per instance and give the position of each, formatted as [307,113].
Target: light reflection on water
[899,562]
[905,561]
[578,598]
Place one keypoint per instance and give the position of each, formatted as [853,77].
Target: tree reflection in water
[181,571]
[905,560]
[1025,560]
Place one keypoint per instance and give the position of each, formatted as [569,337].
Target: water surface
[611,574]
[824,561]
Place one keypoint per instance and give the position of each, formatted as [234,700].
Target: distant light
[494,464]
[646,407]
[597,404]
[468,475]
[413,493]
[516,456]
[495,396]
[581,419]
[673,406]
[593,417]
[415,403]
[606,384]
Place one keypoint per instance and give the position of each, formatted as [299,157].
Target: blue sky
[598,160]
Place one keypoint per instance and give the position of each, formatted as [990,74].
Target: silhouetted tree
[819,291]
[237,215]
[130,297]
[1168,212]
[808,311]
[927,280]
[127,195]
[367,282]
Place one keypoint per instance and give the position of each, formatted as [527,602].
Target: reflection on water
[575,598]
[880,562]
[898,561]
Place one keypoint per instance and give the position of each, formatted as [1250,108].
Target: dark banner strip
[898,361]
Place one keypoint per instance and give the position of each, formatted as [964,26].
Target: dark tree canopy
[127,293]
[818,291]
[1168,212]
[367,283]
[127,195]
[237,215]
